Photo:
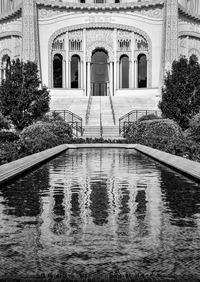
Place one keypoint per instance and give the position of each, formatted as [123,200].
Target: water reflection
[100,210]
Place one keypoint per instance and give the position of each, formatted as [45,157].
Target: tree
[21,97]
[181,91]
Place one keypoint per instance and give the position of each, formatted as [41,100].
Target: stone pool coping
[11,170]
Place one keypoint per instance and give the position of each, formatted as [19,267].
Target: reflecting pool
[97,213]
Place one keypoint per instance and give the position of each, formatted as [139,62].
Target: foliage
[152,128]
[149,117]
[37,137]
[9,151]
[181,91]
[7,136]
[43,135]
[194,129]
[20,95]
[4,122]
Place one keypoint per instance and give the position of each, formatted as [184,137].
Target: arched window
[75,71]
[142,71]
[58,71]
[124,71]
[5,64]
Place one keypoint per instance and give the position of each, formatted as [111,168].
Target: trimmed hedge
[152,128]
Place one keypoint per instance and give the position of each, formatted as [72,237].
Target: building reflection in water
[103,188]
[92,207]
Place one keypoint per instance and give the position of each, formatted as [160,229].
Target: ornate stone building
[100,47]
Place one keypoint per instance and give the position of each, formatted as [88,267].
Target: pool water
[99,213]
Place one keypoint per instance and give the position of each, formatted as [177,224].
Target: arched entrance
[99,72]
[142,71]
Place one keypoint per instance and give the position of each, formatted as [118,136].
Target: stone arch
[100,45]
[194,51]
[10,33]
[4,52]
[98,26]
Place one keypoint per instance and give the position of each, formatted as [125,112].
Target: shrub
[9,152]
[37,137]
[153,128]
[4,122]
[149,117]
[194,129]
[62,130]
[7,136]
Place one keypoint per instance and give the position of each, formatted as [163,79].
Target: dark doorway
[57,71]
[75,75]
[142,71]
[99,73]
[124,71]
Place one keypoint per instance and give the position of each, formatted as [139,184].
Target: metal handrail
[75,121]
[88,109]
[111,105]
[132,117]
[101,126]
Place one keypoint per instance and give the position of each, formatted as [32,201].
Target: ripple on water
[100,213]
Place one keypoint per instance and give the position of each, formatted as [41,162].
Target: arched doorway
[99,72]
[142,71]
[58,71]
[124,71]
[75,71]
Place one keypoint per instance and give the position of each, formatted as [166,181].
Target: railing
[101,126]
[73,120]
[111,105]
[88,109]
[132,117]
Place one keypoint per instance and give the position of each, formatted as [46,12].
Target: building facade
[99,47]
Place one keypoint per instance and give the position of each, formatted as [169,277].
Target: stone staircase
[124,102]
[101,109]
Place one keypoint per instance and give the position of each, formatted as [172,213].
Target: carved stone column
[67,59]
[136,73]
[132,59]
[111,78]
[64,74]
[88,78]
[116,78]
[84,62]
[171,33]
[69,73]
[29,30]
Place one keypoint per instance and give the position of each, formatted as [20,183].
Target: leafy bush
[7,136]
[153,128]
[62,130]
[37,137]
[4,122]
[9,152]
[194,129]
[149,117]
